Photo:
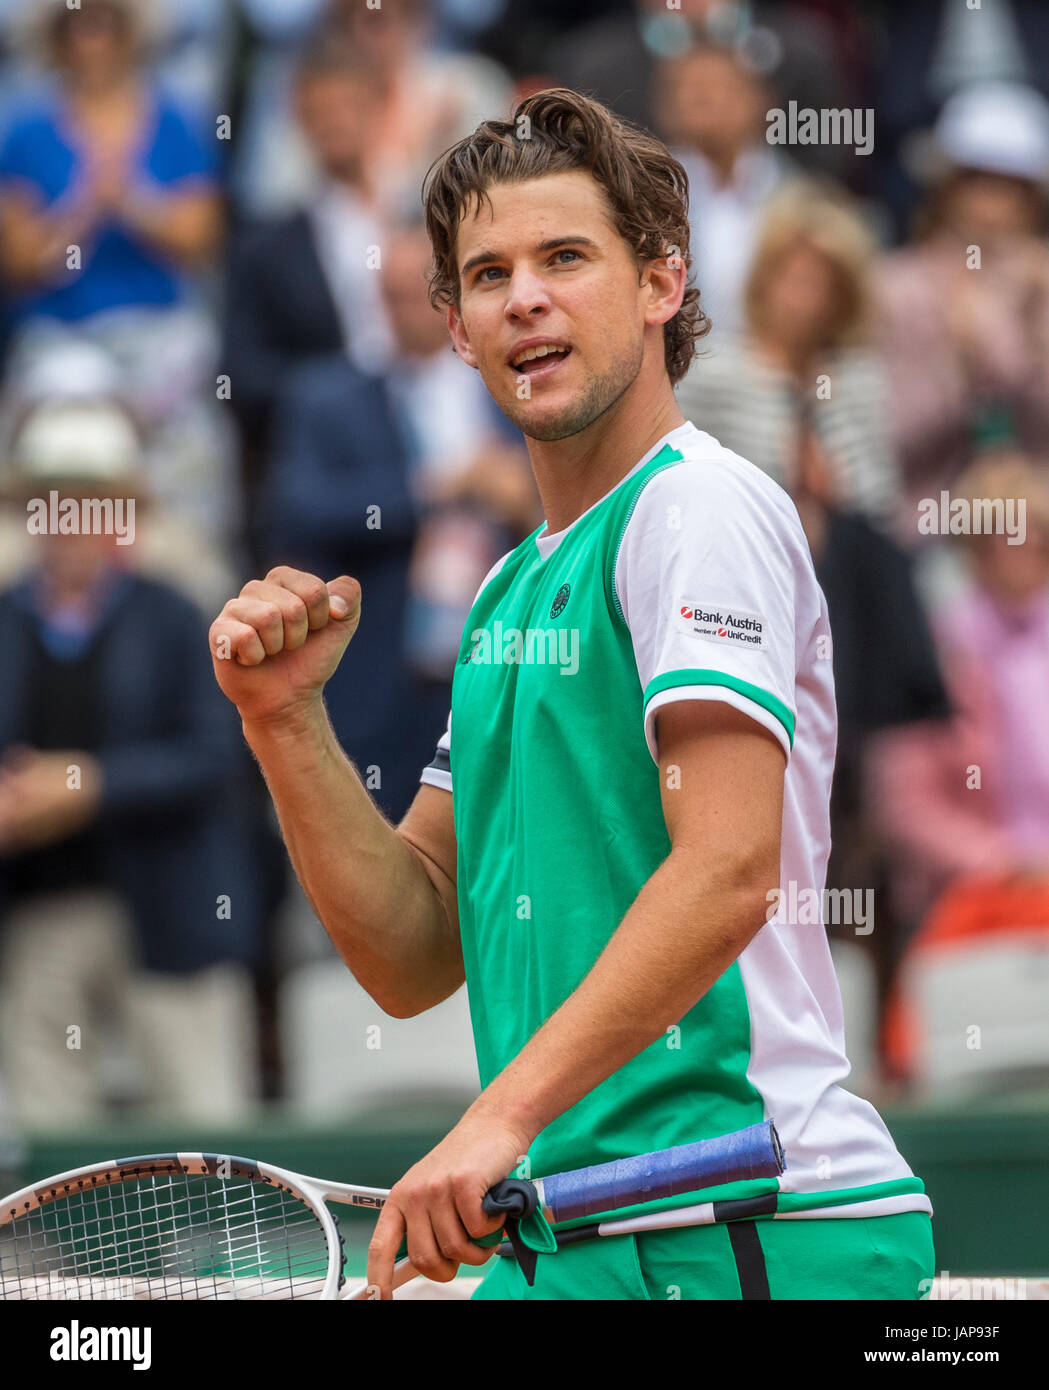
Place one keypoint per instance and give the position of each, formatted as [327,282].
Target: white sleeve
[707,577]
[439,772]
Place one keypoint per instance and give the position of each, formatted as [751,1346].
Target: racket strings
[167,1235]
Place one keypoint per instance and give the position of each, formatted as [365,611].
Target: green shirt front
[559,825]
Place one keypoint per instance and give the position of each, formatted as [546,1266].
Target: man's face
[802,298]
[96,44]
[75,562]
[710,102]
[337,113]
[418,327]
[993,208]
[1013,573]
[543,267]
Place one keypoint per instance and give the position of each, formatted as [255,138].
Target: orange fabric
[973,907]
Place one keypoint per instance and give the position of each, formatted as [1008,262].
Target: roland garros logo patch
[561,600]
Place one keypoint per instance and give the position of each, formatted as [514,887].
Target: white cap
[998,127]
[90,441]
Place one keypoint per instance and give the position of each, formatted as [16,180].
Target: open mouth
[540,359]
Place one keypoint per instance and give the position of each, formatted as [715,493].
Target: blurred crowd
[215,321]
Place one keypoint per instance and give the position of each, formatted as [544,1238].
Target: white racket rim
[312,1192]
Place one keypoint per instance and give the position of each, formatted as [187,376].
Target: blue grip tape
[754,1152]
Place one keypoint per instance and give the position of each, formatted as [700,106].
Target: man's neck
[352,181]
[727,167]
[574,473]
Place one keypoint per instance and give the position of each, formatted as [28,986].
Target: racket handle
[749,1153]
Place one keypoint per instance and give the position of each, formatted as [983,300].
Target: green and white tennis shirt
[690,580]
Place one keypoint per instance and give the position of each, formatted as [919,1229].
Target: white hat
[91,441]
[998,127]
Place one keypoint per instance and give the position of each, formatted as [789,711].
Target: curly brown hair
[553,132]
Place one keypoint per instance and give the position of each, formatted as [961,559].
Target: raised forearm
[371,889]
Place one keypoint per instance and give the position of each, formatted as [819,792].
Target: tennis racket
[207,1226]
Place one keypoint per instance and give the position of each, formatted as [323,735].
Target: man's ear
[459,336]
[665,277]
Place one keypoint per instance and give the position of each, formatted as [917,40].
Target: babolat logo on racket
[730,625]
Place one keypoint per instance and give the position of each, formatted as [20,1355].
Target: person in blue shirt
[104,162]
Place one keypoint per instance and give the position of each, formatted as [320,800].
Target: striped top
[756,410]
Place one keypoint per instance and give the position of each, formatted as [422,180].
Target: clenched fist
[278,642]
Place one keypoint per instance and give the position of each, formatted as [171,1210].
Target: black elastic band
[750,1261]
[744,1207]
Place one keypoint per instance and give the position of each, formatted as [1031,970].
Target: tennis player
[635,780]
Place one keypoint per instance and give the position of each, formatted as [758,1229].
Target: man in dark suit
[305,286]
[128,898]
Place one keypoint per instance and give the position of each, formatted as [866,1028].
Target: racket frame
[312,1192]
[315,1193]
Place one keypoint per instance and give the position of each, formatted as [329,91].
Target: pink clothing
[1009,649]
[940,390]
[972,795]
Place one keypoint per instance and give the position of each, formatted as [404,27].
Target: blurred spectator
[965,311]
[168,544]
[470,472]
[808,52]
[104,164]
[802,394]
[272,171]
[803,397]
[712,114]
[929,52]
[358,461]
[429,99]
[306,285]
[127,898]
[109,201]
[971,796]
[190,44]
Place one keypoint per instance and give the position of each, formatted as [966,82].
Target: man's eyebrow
[551,244]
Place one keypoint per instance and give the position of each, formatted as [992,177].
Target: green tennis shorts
[852,1258]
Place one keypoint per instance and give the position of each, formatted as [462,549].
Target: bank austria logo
[561,601]
[729,625]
